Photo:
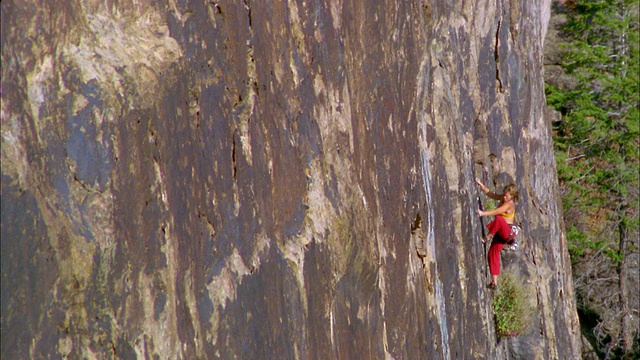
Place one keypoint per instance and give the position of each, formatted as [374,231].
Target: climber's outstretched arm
[487,191]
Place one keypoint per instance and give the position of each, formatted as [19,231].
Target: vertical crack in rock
[234,165]
[496,54]
[234,173]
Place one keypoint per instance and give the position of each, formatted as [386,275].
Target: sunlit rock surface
[273,179]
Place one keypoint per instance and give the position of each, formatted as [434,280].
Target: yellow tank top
[509,216]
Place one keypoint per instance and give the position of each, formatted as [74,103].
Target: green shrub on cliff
[512,308]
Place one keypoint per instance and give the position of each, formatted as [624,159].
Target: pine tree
[597,144]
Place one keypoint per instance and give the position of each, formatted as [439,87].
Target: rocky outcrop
[204,179]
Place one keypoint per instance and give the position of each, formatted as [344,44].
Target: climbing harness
[514,237]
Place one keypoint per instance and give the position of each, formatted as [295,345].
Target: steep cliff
[294,179]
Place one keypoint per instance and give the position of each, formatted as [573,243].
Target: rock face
[285,179]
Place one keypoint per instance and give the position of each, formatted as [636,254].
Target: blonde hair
[513,190]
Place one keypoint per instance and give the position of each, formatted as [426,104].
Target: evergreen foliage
[597,143]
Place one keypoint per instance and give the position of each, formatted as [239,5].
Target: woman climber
[500,227]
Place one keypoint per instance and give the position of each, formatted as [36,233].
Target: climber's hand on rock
[482,187]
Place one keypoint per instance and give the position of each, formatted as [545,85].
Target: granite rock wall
[273,179]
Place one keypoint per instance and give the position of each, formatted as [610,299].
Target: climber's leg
[494,260]
[499,228]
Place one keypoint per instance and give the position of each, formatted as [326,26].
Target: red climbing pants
[494,257]
[501,231]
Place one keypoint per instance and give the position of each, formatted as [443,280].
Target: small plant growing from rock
[512,307]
